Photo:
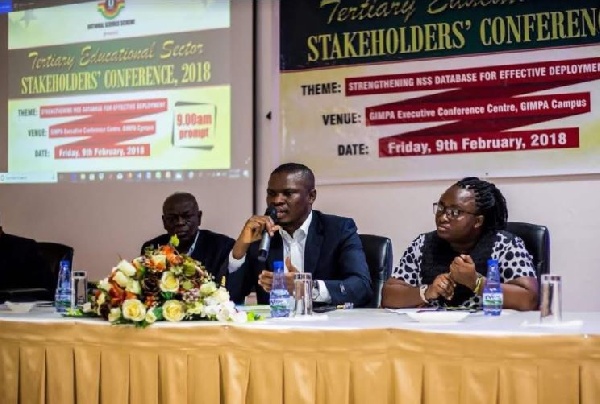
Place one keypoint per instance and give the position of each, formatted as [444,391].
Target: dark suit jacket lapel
[314,242]
[198,248]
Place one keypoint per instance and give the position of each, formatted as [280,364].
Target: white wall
[568,205]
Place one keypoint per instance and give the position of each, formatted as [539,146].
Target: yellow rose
[150,317]
[208,288]
[169,282]
[134,310]
[126,267]
[195,308]
[114,314]
[173,310]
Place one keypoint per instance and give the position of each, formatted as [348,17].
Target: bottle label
[493,299]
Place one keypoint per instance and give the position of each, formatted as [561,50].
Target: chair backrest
[54,253]
[537,242]
[378,251]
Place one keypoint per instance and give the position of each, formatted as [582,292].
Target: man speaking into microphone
[306,240]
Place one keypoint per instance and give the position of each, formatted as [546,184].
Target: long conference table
[348,356]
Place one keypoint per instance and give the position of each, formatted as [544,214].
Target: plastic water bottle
[280,297]
[62,297]
[493,299]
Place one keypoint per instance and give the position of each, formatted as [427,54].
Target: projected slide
[119,87]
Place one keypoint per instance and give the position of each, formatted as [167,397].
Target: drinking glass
[551,298]
[303,294]
[79,286]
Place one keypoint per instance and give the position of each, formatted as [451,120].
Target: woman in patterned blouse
[448,266]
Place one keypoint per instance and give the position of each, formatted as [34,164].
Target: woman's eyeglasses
[451,213]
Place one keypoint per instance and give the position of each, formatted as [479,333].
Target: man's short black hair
[180,197]
[307,174]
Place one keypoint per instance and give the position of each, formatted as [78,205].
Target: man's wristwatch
[315,290]
[422,290]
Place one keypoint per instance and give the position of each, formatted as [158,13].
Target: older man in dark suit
[182,217]
[325,245]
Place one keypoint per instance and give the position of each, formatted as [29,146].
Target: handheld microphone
[265,243]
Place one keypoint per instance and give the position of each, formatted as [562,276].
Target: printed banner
[406,90]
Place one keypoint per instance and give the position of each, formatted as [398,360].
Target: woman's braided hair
[489,200]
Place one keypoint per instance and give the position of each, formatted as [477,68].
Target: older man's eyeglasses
[451,212]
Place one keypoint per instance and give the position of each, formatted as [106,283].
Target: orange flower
[167,249]
[129,295]
[159,262]
[174,259]
[116,294]
[150,301]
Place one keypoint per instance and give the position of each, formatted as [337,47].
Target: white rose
[150,316]
[169,282]
[221,295]
[240,317]
[223,314]
[229,305]
[87,307]
[126,267]
[114,314]
[210,301]
[211,310]
[134,310]
[173,310]
[104,284]
[134,286]
[208,288]
[101,299]
[121,279]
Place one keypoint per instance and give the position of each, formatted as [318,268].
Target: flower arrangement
[161,285]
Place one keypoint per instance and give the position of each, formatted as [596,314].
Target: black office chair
[378,251]
[54,253]
[537,242]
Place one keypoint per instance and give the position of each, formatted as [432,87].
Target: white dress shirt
[293,247]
